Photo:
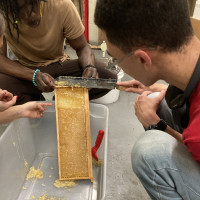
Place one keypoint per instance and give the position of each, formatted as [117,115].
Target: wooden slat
[73,133]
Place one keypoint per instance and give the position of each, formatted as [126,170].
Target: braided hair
[2,24]
[10,11]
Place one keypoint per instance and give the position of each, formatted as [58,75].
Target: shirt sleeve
[193,148]
[73,27]
[191,135]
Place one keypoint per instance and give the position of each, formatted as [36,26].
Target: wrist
[157,87]
[153,88]
[17,111]
[161,125]
[34,75]
[90,65]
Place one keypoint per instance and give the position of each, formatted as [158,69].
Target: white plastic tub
[35,142]
[111,96]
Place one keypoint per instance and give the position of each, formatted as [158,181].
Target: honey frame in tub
[73,133]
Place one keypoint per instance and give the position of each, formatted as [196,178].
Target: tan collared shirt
[44,44]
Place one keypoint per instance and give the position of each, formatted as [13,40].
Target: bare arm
[28,110]
[11,68]
[10,114]
[137,87]
[85,56]
[157,87]
[15,69]
[83,50]
[174,134]
[145,110]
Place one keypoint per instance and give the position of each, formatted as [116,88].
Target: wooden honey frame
[87,132]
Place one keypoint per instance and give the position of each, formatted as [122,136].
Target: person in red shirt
[154,40]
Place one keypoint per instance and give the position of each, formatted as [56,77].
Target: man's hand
[134,86]
[90,72]
[85,56]
[146,108]
[137,87]
[33,109]
[6,100]
[5,95]
[45,82]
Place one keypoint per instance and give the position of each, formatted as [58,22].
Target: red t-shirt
[191,135]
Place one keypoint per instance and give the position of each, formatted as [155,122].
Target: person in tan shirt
[35,32]
[8,112]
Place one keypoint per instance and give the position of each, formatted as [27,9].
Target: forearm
[10,114]
[83,50]
[12,68]
[86,56]
[174,134]
[157,87]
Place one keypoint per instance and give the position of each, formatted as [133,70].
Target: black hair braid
[9,8]
[10,11]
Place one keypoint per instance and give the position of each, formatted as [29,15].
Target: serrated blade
[69,81]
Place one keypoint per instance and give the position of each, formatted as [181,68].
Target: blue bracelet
[34,83]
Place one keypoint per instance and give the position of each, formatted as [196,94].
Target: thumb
[12,101]
[146,93]
[161,96]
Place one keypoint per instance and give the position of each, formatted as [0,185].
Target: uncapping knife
[69,81]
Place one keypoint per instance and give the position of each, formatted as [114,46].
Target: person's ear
[144,59]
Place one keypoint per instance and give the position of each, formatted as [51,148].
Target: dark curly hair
[145,23]
[10,11]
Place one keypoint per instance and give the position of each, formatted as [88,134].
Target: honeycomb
[73,132]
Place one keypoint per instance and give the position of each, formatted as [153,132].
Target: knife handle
[99,139]
[122,88]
